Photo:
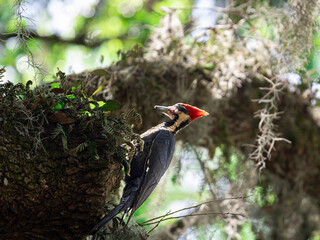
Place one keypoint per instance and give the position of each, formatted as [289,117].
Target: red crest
[195,112]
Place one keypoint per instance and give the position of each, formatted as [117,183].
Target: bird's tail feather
[118,209]
[125,204]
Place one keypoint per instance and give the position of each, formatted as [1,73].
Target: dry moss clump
[61,157]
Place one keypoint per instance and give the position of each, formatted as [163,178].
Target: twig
[193,215]
[195,206]
[215,8]
[158,222]
[203,168]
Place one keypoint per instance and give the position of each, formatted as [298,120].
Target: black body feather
[147,168]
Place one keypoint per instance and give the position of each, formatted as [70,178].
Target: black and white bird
[149,165]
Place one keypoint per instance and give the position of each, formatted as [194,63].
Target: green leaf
[78,83]
[100,72]
[101,103]
[96,91]
[70,96]
[55,85]
[58,106]
[84,95]
[94,105]
[110,105]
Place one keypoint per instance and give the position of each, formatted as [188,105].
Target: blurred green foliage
[263,196]
[90,35]
[246,232]
[315,236]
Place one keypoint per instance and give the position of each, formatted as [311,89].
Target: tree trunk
[55,177]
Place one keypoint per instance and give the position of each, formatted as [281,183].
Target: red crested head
[182,112]
[194,112]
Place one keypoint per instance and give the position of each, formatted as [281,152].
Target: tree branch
[81,38]
[193,215]
[51,39]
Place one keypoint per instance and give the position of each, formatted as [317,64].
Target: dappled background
[252,64]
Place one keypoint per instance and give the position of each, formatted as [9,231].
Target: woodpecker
[149,165]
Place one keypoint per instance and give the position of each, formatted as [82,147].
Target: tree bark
[55,177]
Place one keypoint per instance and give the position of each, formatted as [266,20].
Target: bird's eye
[177,107]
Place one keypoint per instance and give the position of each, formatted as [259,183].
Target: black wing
[147,168]
[158,160]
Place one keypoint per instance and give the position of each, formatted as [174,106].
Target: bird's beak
[166,110]
[162,108]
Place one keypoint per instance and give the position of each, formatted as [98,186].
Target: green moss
[66,108]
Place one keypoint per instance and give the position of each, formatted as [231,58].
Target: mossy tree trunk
[58,168]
